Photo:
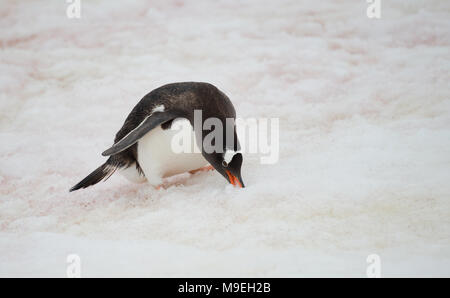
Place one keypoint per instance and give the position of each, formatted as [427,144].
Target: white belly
[132,174]
[157,157]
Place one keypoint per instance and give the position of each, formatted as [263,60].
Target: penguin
[142,149]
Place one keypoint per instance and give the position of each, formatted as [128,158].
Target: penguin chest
[159,154]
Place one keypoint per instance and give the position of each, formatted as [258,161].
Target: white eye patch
[228,156]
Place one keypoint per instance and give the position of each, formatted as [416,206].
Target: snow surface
[364,109]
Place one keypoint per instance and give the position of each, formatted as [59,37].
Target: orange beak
[234,180]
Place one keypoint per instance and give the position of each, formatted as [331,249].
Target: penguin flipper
[145,126]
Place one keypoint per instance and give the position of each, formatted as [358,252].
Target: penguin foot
[206,168]
[167,183]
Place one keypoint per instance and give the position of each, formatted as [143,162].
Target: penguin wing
[150,122]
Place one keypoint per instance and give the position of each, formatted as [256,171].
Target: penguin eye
[224,163]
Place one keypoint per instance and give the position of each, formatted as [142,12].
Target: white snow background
[364,111]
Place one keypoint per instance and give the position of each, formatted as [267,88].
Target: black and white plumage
[142,147]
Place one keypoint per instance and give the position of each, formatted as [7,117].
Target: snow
[364,114]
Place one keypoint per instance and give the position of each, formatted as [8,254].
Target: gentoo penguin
[143,149]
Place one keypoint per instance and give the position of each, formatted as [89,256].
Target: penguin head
[229,166]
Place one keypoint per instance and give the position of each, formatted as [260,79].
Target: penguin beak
[237,182]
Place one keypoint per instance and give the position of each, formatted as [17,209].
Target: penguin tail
[103,172]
